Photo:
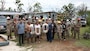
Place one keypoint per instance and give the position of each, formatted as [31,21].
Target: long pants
[59,35]
[76,33]
[53,33]
[15,33]
[67,33]
[9,34]
[49,36]
[63,35]
[21,39]
[72,31]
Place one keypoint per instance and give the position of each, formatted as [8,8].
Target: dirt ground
[57,45]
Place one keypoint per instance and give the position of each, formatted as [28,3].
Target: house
[45,15]
[10,14]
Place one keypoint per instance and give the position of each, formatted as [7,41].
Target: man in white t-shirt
[37,31]
[45,28]
[32,32]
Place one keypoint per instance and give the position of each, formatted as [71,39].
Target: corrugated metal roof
[10,13]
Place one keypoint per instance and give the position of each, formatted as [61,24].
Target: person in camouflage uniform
[77,29]
[9,28]
[72,28]
[67,28]
[15,22]
[59,29]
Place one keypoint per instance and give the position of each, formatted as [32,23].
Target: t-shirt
[45,27]
[21,28]
[38,29]
[32,28]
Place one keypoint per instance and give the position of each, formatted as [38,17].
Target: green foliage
[88,21]
[83,42]
[19,5]
[37,7]
[82,9]
[70,9]
[88,18]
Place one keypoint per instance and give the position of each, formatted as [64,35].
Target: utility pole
[2,4]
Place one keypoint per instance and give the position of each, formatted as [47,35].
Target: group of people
[34,31]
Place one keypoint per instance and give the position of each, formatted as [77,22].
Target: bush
[88,21]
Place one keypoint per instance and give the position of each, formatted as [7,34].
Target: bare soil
[57,45]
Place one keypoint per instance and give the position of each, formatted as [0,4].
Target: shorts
[32,35]
[27,35]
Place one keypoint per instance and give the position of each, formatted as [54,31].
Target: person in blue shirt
[21,31]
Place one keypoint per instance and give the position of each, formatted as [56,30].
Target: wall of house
[45,15]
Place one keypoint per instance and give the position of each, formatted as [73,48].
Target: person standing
[49,34]
[68,28]
[45,28]
[77,29]
[32,32]
[28,29]
[37,32]
[15,22]
[72,28]
[59,30]
[53,29]
[9,28]
[21,31]
[63,30]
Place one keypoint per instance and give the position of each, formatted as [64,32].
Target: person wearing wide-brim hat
[59,29]
[9,28]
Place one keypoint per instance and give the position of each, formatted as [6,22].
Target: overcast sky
[47,5]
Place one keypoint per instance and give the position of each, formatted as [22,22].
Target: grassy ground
[83,42]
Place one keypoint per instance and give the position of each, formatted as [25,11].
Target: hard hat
[49,19]
[67,19]
[39,20]
[8,17]
[78,19]
[58,21]
[36,17]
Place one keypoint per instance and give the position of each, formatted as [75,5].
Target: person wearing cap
[59,30]
[9,28]
[77,29]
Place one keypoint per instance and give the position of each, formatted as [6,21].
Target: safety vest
[38,29]
[45,28]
